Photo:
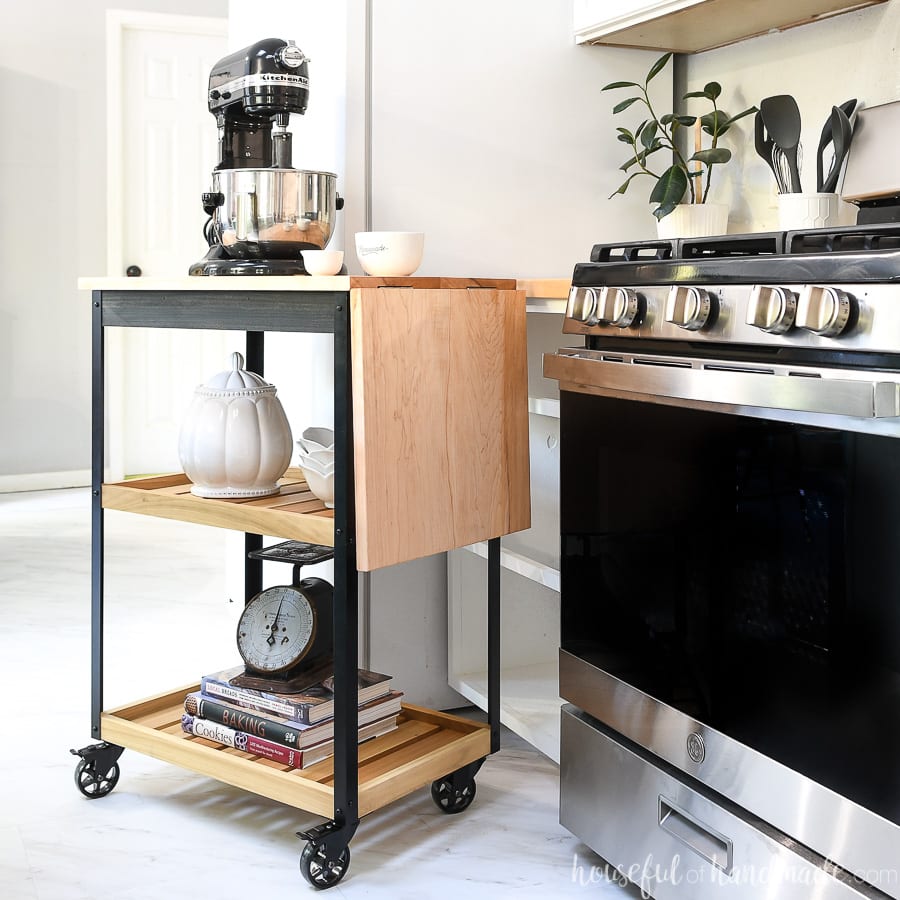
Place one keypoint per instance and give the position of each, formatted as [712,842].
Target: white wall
[491,135]
[53,226]
[821,64]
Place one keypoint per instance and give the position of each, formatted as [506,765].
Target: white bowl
[317,438]
[316,457]
[322,262]
[313,466]
[321,485]
[386,253]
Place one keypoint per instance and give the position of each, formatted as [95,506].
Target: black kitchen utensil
[842,135]
[781,116]
[765,147]
[827,137]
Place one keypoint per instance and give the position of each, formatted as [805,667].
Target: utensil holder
[800,211]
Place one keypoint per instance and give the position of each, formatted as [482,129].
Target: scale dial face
[277,629]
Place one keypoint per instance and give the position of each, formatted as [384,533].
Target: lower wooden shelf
[426,746]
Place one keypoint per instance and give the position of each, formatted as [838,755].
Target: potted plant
[656,133]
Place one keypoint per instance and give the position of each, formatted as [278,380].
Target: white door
[162,154]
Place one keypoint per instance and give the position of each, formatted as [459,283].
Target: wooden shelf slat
[426,746]
[294,513]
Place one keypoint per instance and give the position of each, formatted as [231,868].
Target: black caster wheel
[320,871]
[91,783]
[452,799]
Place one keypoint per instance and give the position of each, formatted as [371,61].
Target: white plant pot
[693,220]
[235,440]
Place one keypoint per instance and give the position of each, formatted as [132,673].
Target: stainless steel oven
[730,563]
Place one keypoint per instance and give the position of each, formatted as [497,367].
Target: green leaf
[619,84]
[657,67]
[740,115]
[712,122]
[648,134]
[664,120]
[712,90]
[669,190]
[693,94]
[624,186]
[663,210]
[685,120]
[626,139]
[712,156]
[619,107]
[642,156]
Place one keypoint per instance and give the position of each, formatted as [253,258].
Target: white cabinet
[529,620]
[689,26]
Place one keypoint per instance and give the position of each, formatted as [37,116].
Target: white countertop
[550,288]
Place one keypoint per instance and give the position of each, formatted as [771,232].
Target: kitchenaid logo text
[262,79]
[650,874]
[365,251]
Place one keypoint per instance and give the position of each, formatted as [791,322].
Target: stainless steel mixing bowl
[274,213]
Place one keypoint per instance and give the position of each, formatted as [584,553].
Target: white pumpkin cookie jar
[235,440]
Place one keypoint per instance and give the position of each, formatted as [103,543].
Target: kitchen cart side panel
[440,416]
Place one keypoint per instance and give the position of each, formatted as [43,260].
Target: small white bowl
[321,485]
[317,438]
[313,466]
[318,457]
[390,253]
[322,262]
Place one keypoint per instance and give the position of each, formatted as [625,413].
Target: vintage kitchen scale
[284,634]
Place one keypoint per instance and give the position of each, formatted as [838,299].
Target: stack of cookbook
[295,729]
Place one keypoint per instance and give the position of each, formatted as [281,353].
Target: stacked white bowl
[316,460]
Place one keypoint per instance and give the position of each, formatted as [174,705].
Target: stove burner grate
[850,238]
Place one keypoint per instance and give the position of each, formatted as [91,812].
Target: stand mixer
[262,212]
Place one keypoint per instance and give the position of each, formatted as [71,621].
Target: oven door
[730,584]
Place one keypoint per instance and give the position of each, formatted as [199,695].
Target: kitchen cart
[431,453]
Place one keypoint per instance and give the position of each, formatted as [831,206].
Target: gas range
[830,291]
[729,601]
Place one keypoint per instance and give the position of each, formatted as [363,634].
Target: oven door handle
[723,383]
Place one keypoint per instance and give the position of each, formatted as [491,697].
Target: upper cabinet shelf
[689,26]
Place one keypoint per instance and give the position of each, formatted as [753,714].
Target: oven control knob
[618,306]
[689,307]
[582,305]
[772,309]
[824,310]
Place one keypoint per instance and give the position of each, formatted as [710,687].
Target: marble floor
[168,833]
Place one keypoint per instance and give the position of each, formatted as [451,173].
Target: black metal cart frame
[255,312]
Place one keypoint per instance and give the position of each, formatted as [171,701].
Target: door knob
[134,272]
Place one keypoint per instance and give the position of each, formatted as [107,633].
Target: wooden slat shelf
[426,746]
[294,513]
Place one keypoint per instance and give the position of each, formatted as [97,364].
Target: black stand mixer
[262,212]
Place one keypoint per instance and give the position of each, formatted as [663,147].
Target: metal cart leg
[455,792]
[326,856]
[493,641]
[97,770]
[253,568]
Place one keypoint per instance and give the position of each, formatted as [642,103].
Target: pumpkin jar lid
[236,381]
